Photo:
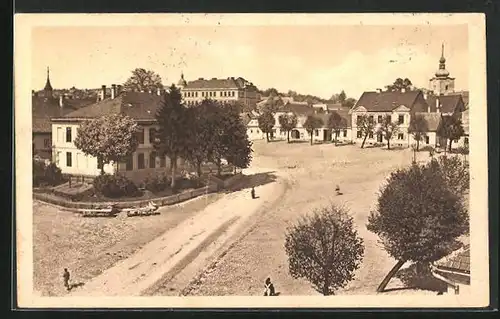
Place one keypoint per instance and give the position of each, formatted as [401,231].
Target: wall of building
[81,164]
[42,145]
[402,138]
[245,96]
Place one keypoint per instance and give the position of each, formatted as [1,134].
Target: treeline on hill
[340,98]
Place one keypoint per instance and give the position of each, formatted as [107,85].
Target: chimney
[113,91]
[61,100]
[33,93]
[103,92]
[158,91]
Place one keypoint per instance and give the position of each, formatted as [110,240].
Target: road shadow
[254,180]
[75,285]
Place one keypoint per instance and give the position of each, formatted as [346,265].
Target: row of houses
[400,106]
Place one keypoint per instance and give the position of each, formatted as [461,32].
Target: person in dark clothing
[253,193]
[66,279]
[269,288]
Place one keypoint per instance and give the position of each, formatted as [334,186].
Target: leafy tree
[418,128]
[335,123]
[349,102]
[400,85]
[143,80]
[450,128]
[312,123]
[173,137]
[456,173]
[388,129]
[418,216]
[287,122]
[200,129]
[325,249]
[266,123]
[342,97]
[230,140]
[366,125]
[107,138]
[272,105]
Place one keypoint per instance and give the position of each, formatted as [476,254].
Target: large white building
[225,90]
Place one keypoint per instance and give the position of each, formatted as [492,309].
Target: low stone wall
[162,201]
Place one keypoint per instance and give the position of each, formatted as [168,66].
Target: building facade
[144,162]
[231,90]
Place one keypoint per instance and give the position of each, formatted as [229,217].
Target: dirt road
[172,259]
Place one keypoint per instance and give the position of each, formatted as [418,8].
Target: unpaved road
[173,259]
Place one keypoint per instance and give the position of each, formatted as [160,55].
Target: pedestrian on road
[269,288]
[66,279]
[253,193]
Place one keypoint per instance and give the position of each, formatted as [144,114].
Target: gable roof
[458,261]
[229,83]
[449,103]
[298,108]
[432,119]
[137,105]
[387,101]
[44,109]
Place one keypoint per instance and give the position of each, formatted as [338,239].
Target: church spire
[48,86]
[442,72]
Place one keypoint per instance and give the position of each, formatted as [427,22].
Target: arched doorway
[295,134]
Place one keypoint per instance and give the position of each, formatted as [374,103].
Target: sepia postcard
[251,160]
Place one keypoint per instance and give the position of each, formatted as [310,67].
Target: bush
[455,172]
[46,174]
[114,186]
[156,183]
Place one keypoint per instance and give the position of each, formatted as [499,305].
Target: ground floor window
[140,161]
[129,163]
[401,136]
[359,134]
[427,140]
[152,160]
[46,143]
[345,133]
[69,159]
[316,132]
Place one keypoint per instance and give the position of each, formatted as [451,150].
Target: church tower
[47,90]
[442,83]
[182,83]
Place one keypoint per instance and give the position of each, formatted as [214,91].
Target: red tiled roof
[387,101]
[137,105]
[432,119]
[457,261]
[44,109]
[449,103]
[229,83]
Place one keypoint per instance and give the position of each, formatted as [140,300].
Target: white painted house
[140,106]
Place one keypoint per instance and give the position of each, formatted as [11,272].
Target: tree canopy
[108,138]
[143,80]
[312,123]
[266,123]
[388,129]
[325,249]
[418,128]
[451,129]
[366,125]
[419,216]
[287,122]
[400,84]
[335,123]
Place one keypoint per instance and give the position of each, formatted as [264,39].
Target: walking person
[66,279]
[269,288]
[252,192]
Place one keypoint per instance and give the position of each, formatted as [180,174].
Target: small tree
[200,129]
[366,125]
[388,129]
[399,84]
[450,128]
[287,122]
[107,138]
[418,216]
[325,249]
[311,124]
[266,123]
[418,128]
[173,137]
[335,123]
[143,80]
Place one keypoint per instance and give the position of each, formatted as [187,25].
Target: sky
[317,60]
